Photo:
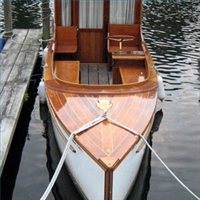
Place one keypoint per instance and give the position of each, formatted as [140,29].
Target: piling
[8,18]
[45,21]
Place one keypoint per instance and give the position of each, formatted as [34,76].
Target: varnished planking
[17,62]
[95,140]
[91,49]
[131,74]
[67,70]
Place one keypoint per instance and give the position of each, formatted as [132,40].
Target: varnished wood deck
[18,59]
[105,140]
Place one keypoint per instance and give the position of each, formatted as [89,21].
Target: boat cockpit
[99,42]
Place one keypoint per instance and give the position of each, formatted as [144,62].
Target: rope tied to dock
[93,123]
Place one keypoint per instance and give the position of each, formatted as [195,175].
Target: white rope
[60,164]
[149,146]
[47,40]
[6,34]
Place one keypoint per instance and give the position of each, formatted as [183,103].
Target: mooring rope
[93,123]
[60,164]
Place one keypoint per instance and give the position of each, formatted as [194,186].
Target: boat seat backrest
[125,29]
[66,39]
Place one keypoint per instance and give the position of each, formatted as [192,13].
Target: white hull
[90,177]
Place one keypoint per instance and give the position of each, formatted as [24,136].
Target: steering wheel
[120,39]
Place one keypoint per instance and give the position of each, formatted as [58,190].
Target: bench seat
[67,71]
[131,74]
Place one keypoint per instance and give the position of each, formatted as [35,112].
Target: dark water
[172,31]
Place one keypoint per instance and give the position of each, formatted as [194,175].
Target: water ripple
[172,33]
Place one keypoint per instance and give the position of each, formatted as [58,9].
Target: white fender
[161,90]
[41,92]
[44,55]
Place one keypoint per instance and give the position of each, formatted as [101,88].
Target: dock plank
[10,53]
[18,59]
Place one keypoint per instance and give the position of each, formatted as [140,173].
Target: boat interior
[110,53]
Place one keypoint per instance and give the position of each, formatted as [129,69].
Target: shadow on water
[64,187]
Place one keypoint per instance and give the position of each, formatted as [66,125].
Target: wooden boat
[99,76]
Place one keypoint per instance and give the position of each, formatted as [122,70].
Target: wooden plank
[110,77]
[10,53]
[103,74]
[84,74]
[18,60]
[93,74]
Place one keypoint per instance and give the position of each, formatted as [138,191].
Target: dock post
[8,18]
[45,21]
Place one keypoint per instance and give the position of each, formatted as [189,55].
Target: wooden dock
[18,60]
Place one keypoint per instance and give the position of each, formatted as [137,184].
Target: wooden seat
[65,39]
[125,29]
[67,71]
[131,74]
[127,51]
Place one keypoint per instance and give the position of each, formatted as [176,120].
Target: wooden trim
[75,13]
[146,134]
[105,26]
[58,12]
[108,184]
[138,12]
[106,13]
[53,117]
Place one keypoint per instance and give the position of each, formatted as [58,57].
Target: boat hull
[91,177]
